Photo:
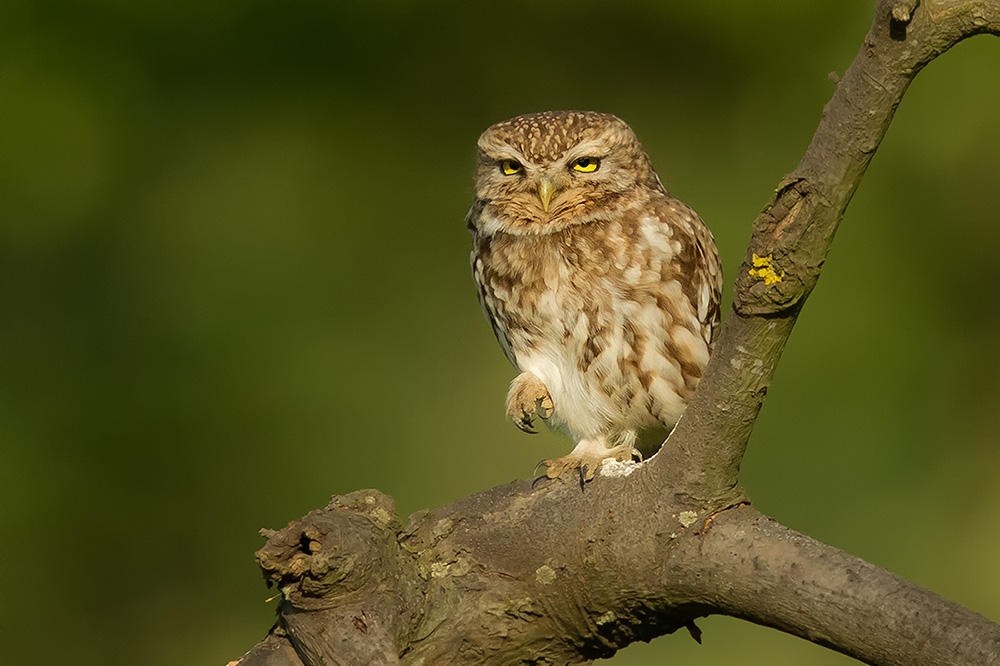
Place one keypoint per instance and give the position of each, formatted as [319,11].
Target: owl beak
[545,191]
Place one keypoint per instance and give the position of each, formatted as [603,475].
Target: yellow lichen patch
[442,528]
[763,268]
[439,569]
[381,516]
[687,518]
[545,574]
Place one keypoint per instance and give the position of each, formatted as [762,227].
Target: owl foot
[527,399]
[587,457]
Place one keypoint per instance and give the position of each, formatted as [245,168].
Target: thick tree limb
[783,579]
[552,575]
[795,230]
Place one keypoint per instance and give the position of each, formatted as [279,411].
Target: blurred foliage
[234,281]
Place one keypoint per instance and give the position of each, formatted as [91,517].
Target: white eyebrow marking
[594,148]
[501,151]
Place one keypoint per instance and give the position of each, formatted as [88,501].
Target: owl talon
[543,406]
[527,399]
[525,423]
[587,458]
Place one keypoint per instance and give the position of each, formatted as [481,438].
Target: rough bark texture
[547,574]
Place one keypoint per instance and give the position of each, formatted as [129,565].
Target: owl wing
[487,299]
[696,263]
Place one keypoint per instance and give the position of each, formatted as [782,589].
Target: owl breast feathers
[602,289]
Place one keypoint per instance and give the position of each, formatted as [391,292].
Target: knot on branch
[332,553]
[899,17]
[783,260]
[902,10]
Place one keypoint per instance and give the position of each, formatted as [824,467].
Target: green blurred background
[234,281]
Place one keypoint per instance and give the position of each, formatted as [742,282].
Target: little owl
[602,289]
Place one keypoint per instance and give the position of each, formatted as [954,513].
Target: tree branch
[782,579]
[795,230]
[552,575]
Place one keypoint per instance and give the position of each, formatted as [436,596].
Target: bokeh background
[234,281]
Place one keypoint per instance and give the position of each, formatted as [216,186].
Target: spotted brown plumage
[602,289]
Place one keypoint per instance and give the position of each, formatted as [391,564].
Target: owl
[602,289]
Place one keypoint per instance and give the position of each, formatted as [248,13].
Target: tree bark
[547,573]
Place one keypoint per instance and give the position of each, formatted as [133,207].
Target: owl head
[542,172]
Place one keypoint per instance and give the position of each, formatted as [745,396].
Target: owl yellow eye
[511,167]
[586,164]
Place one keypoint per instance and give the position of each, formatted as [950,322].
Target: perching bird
[602,289]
